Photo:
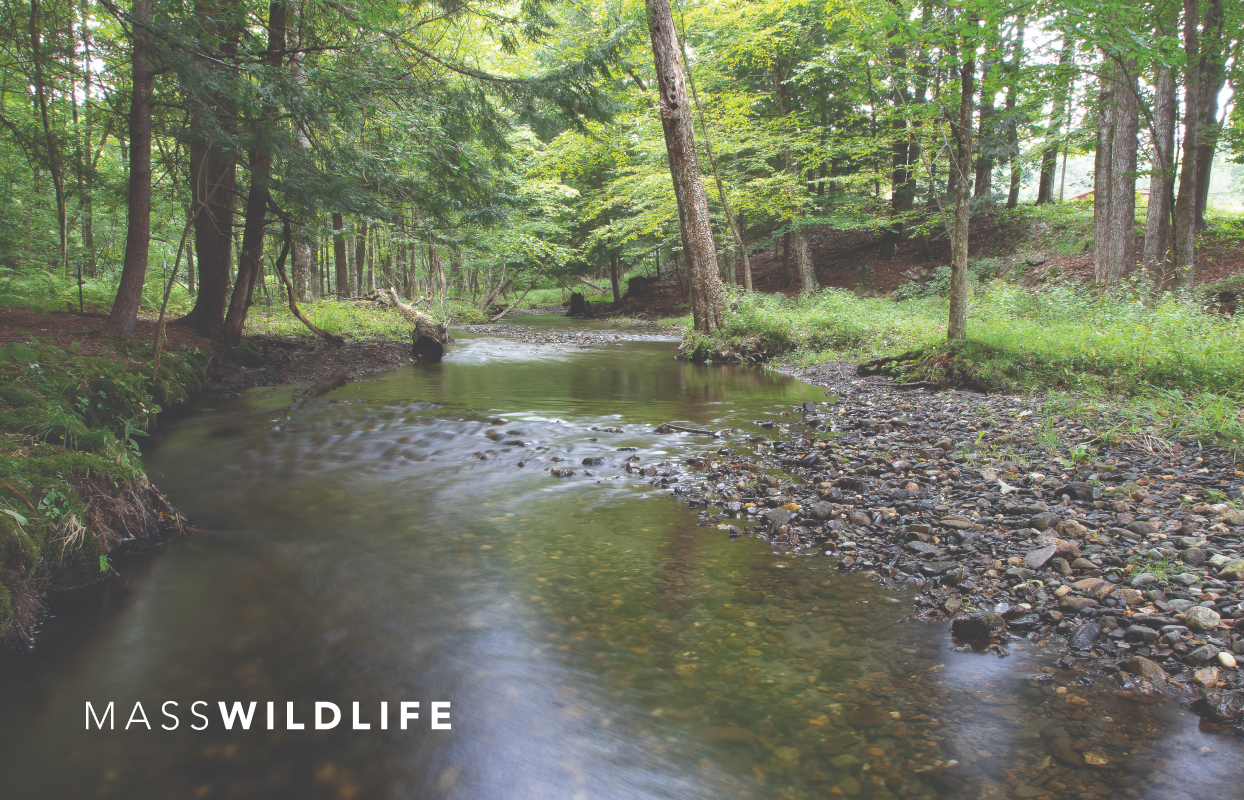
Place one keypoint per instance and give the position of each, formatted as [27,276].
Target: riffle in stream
[383,544]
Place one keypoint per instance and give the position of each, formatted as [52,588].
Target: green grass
[354,319]
[1170,368]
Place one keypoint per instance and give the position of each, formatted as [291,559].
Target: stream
[402,539]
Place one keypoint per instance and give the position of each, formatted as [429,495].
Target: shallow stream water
[384,543]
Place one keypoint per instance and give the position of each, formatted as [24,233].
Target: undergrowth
[71,423]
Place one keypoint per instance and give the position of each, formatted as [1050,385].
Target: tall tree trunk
[54,160]
[360,258]
[1122,256]
[901,198]
[1058,115]
[213,173]
[961,174]
[303,283]
[615,276]
[342,274]
[250,264]
[1162,181]
[86,206]
[1012,124]
[1183,236]
[124,313]
[707,305]
[1103,163]
[1214,78]
[796,241]
[986,139]
[740,247]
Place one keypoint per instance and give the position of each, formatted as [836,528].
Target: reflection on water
[385,544]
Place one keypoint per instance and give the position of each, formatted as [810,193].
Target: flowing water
[403,540]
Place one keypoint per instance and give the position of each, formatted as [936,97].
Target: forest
[461,151]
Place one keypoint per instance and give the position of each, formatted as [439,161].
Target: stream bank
[1127,555]
[74,407]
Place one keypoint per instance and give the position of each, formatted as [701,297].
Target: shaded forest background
[457,151]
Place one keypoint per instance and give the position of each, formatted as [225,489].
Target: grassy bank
[1171,362]
[72,485]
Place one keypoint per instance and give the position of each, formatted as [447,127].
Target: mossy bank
[72,484]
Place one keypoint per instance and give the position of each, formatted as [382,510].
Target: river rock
[1142,528]
[1139,665]
[1143,579]
[1071,529]
[821,510]
[1194,557]
[1200,618]
[1085,635]
[1232,570]
[1074,604]
[1226,659]
[1044,520]
[977,627]
[1128,596]
[1139,633]
[1202,655]
[1037,558]
[1206,677]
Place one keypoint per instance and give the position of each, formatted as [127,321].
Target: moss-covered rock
[246,354]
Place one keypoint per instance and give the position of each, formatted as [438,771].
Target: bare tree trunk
[984,161]
[303,284]
[124,313]
[615,276]
[796,241]
[250,264]
[961,174]
[1058,115]
[55,165]
[1162,181]
[360,258]
[707,306]
[1012,125]
[1214,78]
[1103,162]
[213,177]
[342,272]
[1183,235]
[1122,255]
[740,247]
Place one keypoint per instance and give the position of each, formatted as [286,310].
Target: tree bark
[985,160]
[1214,78]
[796,241]
[1122,255]
[735,232]
[213,174]
[124,313]
[615,276]
[250,262]
[1162,180]
[1183,236]
[1058,116]
[707,306]
[961,173]
[1103,162]
[54,161]
[342,273]
[360,258]
[1012,125]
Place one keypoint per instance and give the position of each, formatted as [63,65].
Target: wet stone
[1037,558]
[1085,636]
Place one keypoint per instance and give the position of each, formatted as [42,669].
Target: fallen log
[337,377]
[429,337]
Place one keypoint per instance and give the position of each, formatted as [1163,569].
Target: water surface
[403,539]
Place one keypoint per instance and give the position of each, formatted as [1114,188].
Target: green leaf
[20,519]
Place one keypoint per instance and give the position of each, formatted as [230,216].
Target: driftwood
[337,377]
[429,337]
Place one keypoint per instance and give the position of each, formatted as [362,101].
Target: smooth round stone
[1226,659]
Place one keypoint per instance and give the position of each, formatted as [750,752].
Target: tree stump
[579,306]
